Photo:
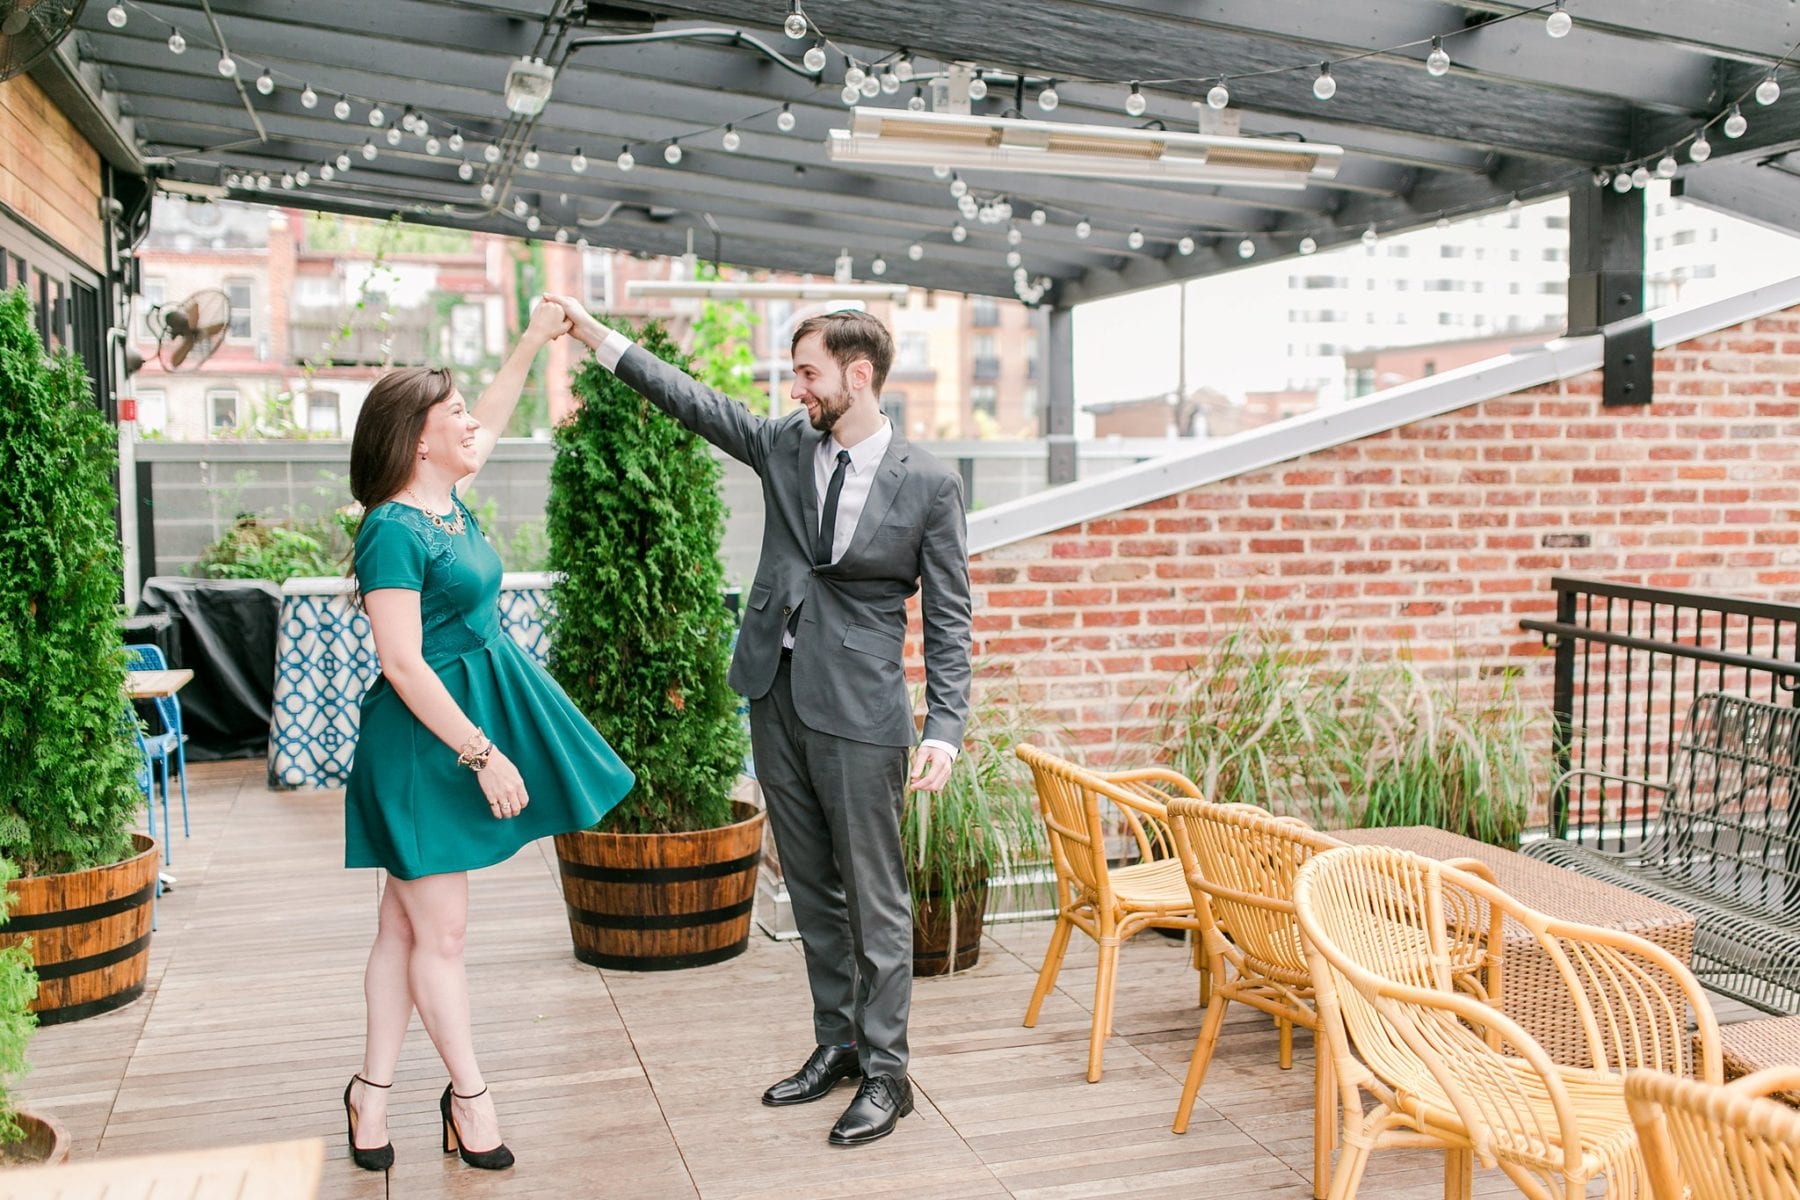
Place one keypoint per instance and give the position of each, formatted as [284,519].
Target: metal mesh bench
[1726,846]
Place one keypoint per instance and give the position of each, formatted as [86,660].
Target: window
[322,413]
[984,399]
[1684,237]
[241,328]
[1032,415]
[1556,221]
[1362,381]
[986,356]
[1429,367]
[1448,251]
[597,279]
[1399,251]
[153,410]
[155,290]
[1315,282]
[1555,253]
[465,334]
[983,311]
[1031,354]
[984,346]
[1554,287]
[222,417]
[317,291]
[893,407]
[913,353]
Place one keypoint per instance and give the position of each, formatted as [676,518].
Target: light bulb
[903,70]
[487,191]
[562,235]
[1014,237]
[878,266]
[850,95]
[534,222]
[1083,229]
[853,76]
[890,82]
[626,162]
[115,16]
[1515,204]
[1185,245]
[343,161]
[341,110]
[1701,150]
[916,102]
[966,206]
[958,233]
[795,25]
[455,141]
[985,214]
[1558,23]
[177,43]
[1640,177]
[1013,259]
[265,83]
[672,153]
[1601,178]
[915,252]
[302,177]
[578,162]
[1666,166]
[1768,91]
[464,170]
[958,187]
[1135,104]
[1308,245]
[532,158]
[1369,236]
[232,180]
[1246,248]
[287,179]
[377,118]
[432,145]
[1039,216]
[1135,239]
[308,97]
[730,139]
[393,135]
[1622,182]
[784,120]
[871,87]
[1438,61]
[491,152]
[814,59]
[1735,124]
[978,88]
[1218,96]
[582,242]
[263,183]
[227,66]
[369,152]
[1325,87]
[1048,99]
[327,172]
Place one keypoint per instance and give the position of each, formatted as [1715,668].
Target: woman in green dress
[467,750]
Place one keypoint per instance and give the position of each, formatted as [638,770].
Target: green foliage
[641,636]
[723,360]
[983,824]
[255,548]
[68,796]
[1347,740]
[330,232]
[18,988]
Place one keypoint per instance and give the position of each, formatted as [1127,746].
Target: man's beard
[831,408]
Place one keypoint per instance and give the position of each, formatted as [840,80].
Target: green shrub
[68,795]
[254,548]
[641,637]
[18,988]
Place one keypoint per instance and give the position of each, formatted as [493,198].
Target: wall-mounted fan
[29,29]
[188,331]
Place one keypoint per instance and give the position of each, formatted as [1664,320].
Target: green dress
[408,806]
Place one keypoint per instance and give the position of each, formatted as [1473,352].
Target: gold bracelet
[474,753]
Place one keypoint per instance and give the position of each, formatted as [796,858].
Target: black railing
[1629,662]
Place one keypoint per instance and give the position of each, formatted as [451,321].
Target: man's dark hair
[850,335]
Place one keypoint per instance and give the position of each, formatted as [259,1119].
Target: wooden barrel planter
[660,902]
[89,933]
[46,1142]
[932,932]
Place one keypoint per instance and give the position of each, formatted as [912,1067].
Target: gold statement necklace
[452,527]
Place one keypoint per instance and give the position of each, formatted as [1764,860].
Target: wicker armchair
[1241,863]
[1702,1142]
[1109,904]
[1451,1072]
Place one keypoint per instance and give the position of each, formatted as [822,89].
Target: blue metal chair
[162,747]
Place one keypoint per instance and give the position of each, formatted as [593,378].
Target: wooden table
[152,685]
[1750,1046]
[273,1171]
[1531,984]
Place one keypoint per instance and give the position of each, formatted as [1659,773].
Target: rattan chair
[1451,1072]
[1109,904]
[1703,1142]
[1241,863]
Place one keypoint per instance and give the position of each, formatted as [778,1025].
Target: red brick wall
[1439,536]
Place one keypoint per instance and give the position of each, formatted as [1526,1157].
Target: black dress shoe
[822,1071]
[880,1103]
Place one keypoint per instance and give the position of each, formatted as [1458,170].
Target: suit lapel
[890,474]
[809,486]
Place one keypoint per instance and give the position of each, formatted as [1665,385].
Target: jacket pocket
[878,642]
[759,596]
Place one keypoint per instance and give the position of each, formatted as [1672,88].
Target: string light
[177,43]
[1666,166]
[533,223]
[491,152]
[432,145]
[1558,23]
[958,188]
[377,118]
[1769,90]
[978,88]
[369,151]
[1735,124]
[795,25]
[1185,246]
[456,141]
[1218,96]
[730,140]
[814,59]
[309,98]
[1048,99]
[1039,216]
[853,76]
[1622,182]
[341,110]
[1014,236]
[287,180]
[672,153]
[1640,177]
[916,102]
[227,66]
[903,69]
[878,265]
[1370,237]
[1324,87]
[393,135]
[1013,258]
[850,95]
[265,83]
[890,82]
[1438,61]
[1135,104]
[958,233]
[343,161]
[578,162]
[464,170]
[1246,248]
[115,16]
[915,252]
[487,191]
[1135,239]
[626,162]
[327,172]
[302,177]
[784,120]
[532,158]
[1701,150]
[871,86]
[1083,229]
[1308,245]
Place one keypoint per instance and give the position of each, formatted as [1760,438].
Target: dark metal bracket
[1628,374]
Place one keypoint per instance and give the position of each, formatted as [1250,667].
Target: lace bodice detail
[457,576]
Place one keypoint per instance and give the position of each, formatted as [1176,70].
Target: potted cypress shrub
[25,1137]
[641,640]
[69,797]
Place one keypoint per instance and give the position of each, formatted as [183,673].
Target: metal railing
[1629,662]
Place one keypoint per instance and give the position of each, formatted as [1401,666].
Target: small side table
[1749,1046]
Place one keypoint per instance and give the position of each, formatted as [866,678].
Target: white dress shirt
[859,478]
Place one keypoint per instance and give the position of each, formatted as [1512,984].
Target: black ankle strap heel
[497,1159]
[381,1158]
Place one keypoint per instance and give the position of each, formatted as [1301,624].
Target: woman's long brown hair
[385,445]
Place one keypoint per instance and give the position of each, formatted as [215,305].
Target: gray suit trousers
[834,806]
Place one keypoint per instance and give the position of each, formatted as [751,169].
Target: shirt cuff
[610,351]
[946,747]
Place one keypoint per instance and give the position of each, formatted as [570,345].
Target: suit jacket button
[787,610]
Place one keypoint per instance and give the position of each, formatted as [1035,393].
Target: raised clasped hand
[549,321]
[582,324]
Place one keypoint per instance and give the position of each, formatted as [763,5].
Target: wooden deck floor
[622,1084]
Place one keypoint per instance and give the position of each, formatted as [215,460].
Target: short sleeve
[389,555]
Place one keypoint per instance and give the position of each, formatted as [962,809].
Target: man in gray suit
[855,521]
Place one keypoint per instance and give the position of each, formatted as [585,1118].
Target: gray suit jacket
[848,675]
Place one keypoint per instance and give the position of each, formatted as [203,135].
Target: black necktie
[828,519]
